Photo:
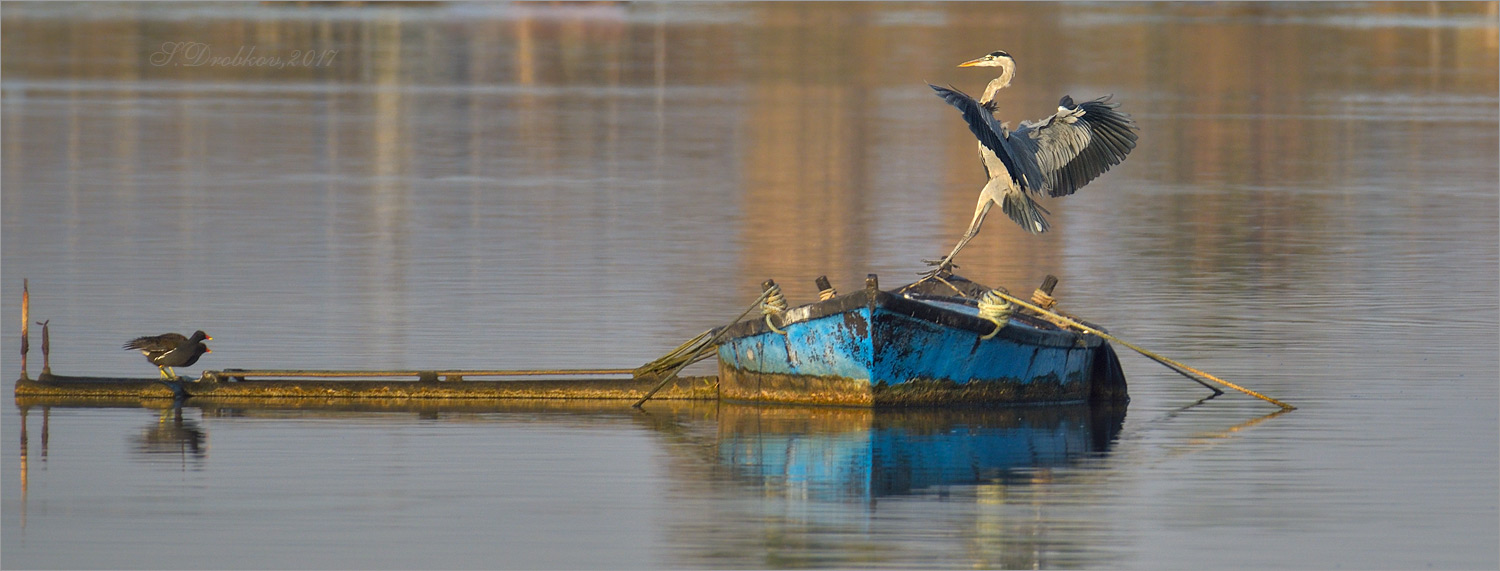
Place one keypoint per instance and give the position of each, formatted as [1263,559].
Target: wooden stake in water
[46,348]
[25,324]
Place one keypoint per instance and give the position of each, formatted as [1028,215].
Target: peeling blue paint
[890,341]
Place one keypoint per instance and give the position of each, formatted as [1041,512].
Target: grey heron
[1056,155]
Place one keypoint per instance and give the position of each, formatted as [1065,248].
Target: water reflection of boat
[832,453]
[865,453]
[923,344]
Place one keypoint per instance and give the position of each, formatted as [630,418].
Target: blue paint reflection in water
[481,186]
[858,454]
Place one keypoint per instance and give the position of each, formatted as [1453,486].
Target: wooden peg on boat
[825,289]
[1043,295]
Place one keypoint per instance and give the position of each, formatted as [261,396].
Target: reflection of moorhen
[173,434]
[171,350]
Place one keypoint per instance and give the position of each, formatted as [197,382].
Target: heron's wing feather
[1022,209]
[1023,170]
[1077,144]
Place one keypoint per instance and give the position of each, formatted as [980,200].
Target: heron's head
[997,58]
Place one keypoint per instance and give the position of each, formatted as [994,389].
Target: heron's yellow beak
[971,63]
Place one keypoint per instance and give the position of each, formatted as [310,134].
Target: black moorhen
[171,350]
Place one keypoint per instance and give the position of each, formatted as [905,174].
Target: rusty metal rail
[621,388]
[453,374]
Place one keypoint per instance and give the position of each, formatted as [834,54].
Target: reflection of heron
[171,350]
[1056,155]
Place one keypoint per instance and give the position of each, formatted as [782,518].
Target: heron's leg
[979,211]
[162,371]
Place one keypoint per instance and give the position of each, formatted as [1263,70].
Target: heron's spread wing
[1076,144]
[1023,169]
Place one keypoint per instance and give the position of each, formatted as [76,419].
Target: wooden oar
[1179,367]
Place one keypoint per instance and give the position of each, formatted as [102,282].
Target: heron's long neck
[988,100]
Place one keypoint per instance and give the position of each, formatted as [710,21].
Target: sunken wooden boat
[924,344]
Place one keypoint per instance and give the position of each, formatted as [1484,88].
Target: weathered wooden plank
[692,388]
[377,373]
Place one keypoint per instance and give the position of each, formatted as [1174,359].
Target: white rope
[996,309]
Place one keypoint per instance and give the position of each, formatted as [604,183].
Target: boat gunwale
[1021,328]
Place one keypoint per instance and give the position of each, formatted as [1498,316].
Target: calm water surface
[1312,212]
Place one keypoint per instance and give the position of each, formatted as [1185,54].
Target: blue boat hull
[878,348]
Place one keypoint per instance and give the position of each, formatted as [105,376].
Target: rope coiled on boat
[774,304]
[1043,300]
[995,309]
